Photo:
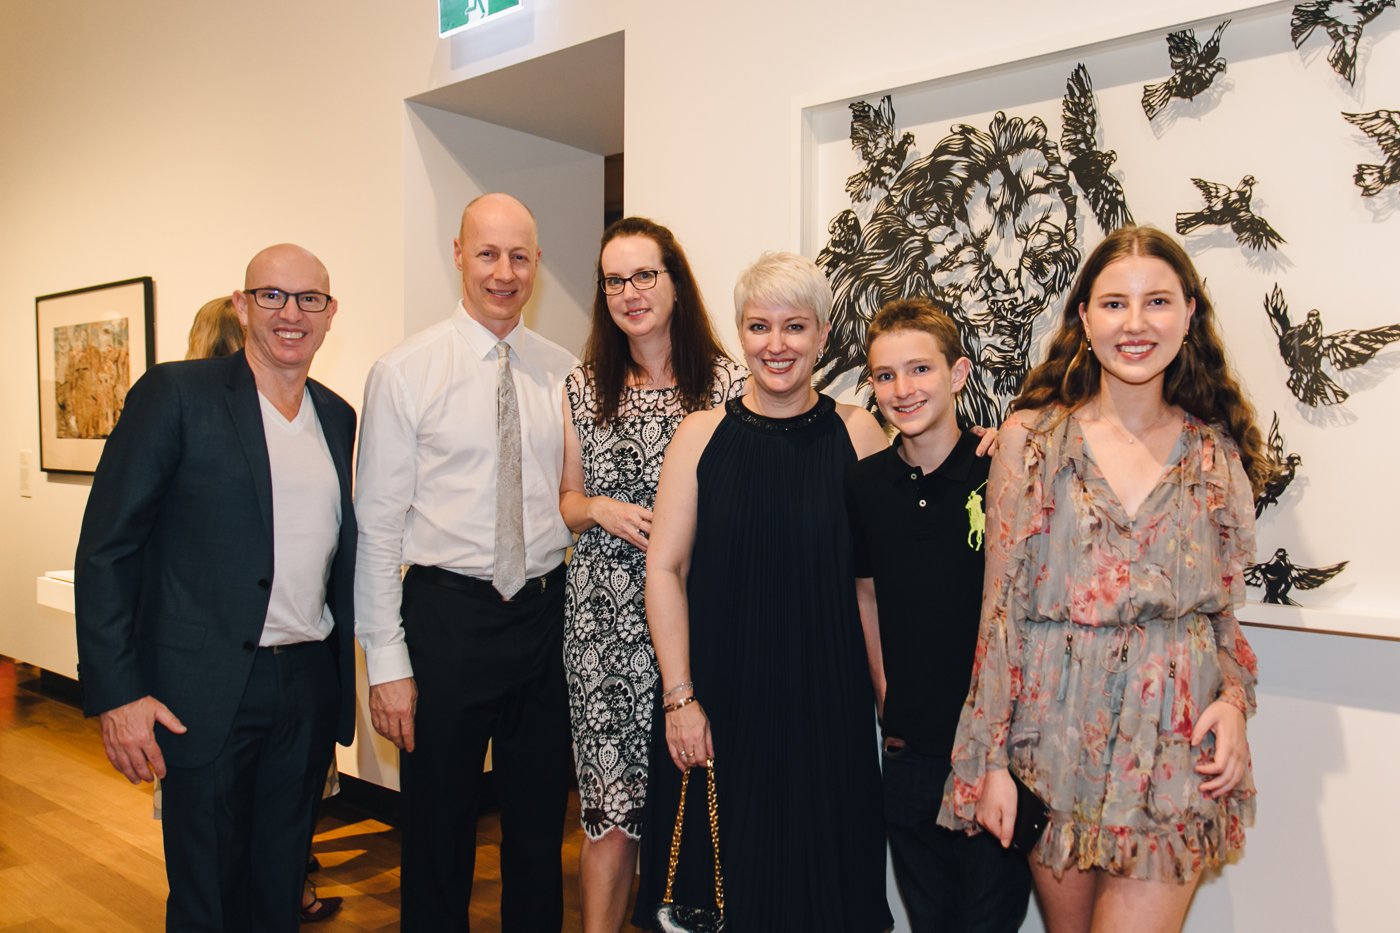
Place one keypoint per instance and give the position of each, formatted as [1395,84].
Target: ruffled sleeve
[1231,504]
[1016,510]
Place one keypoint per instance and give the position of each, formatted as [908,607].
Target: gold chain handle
[714,836]
[714,832]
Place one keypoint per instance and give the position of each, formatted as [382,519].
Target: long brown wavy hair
[694,348]
[1198,380]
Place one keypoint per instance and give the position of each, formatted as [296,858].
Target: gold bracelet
[672,707]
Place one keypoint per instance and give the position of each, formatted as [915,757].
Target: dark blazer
[174,564]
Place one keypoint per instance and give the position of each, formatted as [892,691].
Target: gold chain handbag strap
[714,836]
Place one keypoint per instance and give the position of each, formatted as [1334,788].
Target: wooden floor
[79,850]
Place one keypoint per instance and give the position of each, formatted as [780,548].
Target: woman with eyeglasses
[651,359]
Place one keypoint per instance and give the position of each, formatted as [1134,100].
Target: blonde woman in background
[215,331]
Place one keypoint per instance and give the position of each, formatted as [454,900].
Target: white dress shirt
[305,525]
[425,490]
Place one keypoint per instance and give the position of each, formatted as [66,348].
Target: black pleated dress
[779,666]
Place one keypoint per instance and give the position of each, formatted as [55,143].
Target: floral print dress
[608,659]
[1103,639]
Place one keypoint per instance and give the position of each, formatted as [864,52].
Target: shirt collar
[482,342]
[955,468]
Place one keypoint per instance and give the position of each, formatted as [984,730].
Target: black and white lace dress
[608,657]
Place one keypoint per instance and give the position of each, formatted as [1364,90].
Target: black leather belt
[482,589]
[283,649]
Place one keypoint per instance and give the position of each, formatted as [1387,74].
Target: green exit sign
[456,15]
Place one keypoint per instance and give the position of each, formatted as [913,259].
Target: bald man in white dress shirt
[468,647]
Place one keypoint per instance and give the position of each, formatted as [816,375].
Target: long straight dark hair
[1198,379]
[694,349]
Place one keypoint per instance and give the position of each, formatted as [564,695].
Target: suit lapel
[340,452]
[246,413]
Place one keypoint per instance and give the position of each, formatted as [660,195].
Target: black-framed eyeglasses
[641,281]
[274,299]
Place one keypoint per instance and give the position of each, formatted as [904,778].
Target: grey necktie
[509,575]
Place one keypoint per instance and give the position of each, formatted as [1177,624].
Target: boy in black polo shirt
[915,513]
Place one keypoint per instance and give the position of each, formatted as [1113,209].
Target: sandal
[320,908]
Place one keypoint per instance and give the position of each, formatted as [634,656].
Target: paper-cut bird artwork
[1278,576]
[1089,164]
[1304,346]
[1384,127]
[1285,470]
[1343,21]
[1194,67]
[872,134]
[844,243]
[1230,206]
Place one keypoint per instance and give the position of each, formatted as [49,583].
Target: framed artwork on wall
[93,344]
[1263,139]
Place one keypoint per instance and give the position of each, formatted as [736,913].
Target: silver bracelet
[685,684]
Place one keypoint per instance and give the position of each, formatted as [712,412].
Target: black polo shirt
[910,533]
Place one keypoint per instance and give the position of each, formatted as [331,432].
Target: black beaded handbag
[675,918]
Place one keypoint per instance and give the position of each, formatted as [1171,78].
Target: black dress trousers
[237,829]
[486,670]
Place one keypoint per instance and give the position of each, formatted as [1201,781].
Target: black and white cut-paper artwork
[1344,21]
[1278,576]
[1285,469]
[984,224]
[984,191]
[1230,207]
[1090,165]
[1194,68]
[872,134]
[1304,347]
[1384,127]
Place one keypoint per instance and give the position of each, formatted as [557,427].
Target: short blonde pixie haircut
[783,280]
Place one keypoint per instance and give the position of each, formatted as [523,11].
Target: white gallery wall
[173,139]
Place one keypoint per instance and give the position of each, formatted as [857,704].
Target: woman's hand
[996,807]
[1231,756]
[688,736]
[631,523]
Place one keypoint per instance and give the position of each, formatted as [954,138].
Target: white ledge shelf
[1322,621]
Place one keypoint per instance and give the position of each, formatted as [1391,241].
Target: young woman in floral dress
[1112,676]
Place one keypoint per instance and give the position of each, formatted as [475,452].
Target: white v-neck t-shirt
[305,525]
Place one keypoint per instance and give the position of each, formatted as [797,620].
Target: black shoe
[322,908]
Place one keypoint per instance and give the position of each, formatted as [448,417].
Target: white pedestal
[52,642]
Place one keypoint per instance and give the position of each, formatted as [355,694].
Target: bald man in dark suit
[215,603]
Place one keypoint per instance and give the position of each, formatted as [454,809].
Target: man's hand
[391,708]
[128,735]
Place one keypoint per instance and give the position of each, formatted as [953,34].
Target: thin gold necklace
[1127,436]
